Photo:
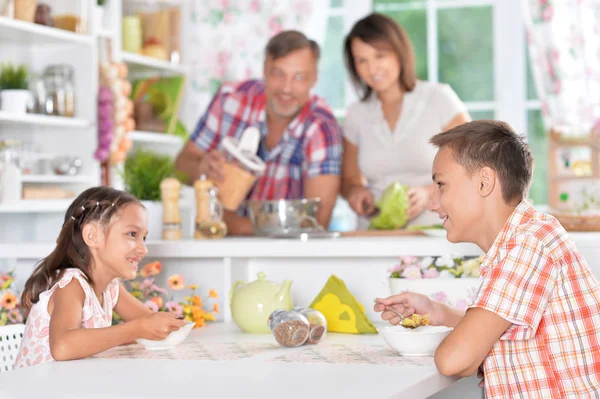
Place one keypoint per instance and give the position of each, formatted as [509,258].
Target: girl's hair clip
[83,207]
[113,204]
[97,203]
[73,217]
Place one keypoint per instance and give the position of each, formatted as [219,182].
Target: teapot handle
[234,288]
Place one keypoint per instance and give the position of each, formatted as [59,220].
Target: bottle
[290,329]
[170,192]
[213,227]
[209,213]
[317,323]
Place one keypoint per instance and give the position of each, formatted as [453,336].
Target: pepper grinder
[170,192]
[201,187]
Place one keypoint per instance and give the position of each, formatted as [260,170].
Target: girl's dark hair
[382,31]
[97,204]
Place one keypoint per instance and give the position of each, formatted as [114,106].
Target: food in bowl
[172,340]
[414,321]
[419,341]
[284,216]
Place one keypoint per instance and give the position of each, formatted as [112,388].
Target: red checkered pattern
[535,277]
[311,145]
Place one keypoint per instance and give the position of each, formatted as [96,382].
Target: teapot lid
[261,275]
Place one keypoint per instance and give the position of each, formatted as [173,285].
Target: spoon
[391,309]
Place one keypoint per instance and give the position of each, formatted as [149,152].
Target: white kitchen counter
[219,361]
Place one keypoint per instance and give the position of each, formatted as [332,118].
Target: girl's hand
[409,303]
[418,198]
[361,201]
[159,325]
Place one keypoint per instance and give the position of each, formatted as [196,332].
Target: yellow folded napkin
[343,312]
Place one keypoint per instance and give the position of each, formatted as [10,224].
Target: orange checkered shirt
[535,277]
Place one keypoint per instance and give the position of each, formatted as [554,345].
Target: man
[300,138]
[534,324]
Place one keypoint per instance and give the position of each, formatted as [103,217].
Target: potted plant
[452,279]
[14,94]
[142,174]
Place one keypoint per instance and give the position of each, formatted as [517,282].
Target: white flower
[471,267]
[445,260]
[446,274]
[426,262]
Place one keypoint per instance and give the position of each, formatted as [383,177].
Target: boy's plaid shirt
[534,276]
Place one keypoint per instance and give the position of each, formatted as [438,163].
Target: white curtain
[564,46]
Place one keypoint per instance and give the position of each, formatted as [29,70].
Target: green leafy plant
[145,170]
[101,2]
[13,78]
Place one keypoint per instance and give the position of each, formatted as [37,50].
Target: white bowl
[421,341]
[172,340]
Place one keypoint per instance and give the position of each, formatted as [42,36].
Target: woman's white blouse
[403,155]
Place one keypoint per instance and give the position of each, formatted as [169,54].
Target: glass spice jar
[60,90]
[290,329]
[317,323]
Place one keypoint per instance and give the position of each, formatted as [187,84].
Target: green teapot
[252,303]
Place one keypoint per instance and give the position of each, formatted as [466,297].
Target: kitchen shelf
[43,120]
[15,31]
[152,137]
[59,179]
[37,206]
[140,64]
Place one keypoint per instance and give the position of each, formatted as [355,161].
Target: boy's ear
[90,235]
[487,181]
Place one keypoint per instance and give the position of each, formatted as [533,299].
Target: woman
[386,134]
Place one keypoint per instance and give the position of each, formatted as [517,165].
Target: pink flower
[255,6]
[174,307]
[431,273]
[223,4]
[440,296]
[227,17]
[412,272]
[146,284]
[395,268]
[548,13]
[556,87]
[15,316]
[408,260]
[275,25]
[151,305]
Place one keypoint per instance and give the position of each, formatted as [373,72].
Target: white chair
[10,340]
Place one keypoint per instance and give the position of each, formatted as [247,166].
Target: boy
[534,324]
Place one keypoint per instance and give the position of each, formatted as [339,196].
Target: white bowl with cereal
[419,341]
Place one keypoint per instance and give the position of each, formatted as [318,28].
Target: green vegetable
[393,206]
[428,227]
[13,78]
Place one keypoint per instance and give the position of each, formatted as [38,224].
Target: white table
[259,376]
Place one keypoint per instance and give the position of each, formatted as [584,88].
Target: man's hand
[211,165]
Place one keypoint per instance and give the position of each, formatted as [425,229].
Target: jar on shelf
[160,25]
[7,8]
[60,90]
[317,323]
[209,212]
[290,329]
[71,15]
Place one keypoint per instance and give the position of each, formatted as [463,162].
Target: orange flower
[213,294]
[196,300]
[151,269]
[8,300]
[176,282]
[216,308]
[197,312]
[199,323]
[210,317]
[158,301]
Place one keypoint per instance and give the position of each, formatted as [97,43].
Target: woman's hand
[418,198]
[361,201]
[481,375]
[407,304]
[158,325]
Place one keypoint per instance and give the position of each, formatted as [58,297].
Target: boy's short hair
[493,144]
[288,41]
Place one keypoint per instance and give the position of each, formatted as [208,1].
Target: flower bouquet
[11,311]
[157,299]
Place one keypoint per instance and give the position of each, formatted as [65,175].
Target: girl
[73,292]
[386,133]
